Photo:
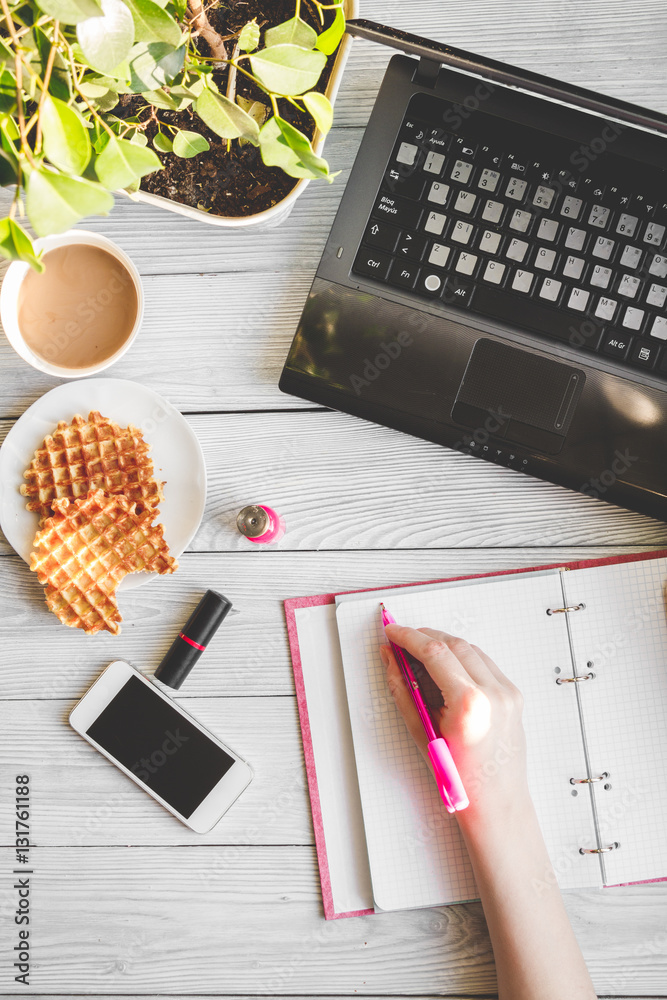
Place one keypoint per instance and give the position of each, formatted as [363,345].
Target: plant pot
[277,213]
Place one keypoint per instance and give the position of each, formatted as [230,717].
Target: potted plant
[105,95]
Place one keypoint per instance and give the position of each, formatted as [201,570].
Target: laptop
[496,276]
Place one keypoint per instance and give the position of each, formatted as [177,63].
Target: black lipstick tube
[195,636]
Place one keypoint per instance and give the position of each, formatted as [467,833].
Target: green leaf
[154,65]
[55,202]
[329,40]
[139,139]
[225,118]
[294,155]
[162,142]
[6,54]
[288,69]
[70,11]
[188,144]
[8,171]
[107,41]
[295,32]
[160,99]
[60,83]
[15,244]
[7,93]
[320,108]
[121,163]
[66,141]
[249,37]
[153,24]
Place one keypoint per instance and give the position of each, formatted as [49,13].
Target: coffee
[80,310]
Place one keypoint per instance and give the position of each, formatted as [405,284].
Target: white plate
[175,451]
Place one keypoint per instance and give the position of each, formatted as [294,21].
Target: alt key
[616,345]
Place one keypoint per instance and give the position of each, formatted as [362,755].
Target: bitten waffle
[90,454]
[87,547]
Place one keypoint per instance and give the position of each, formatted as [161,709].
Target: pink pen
[447,776]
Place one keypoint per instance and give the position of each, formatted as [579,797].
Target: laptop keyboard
[575,255]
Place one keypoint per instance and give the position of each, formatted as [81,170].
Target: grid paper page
[416,854]
[623,632]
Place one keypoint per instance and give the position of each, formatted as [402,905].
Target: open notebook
[385,840]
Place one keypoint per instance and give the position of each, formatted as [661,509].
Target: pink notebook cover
[305,602]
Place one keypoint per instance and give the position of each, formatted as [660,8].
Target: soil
[232,182]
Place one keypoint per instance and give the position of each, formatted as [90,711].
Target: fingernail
[384,655]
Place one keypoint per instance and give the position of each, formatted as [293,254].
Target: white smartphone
[162,748]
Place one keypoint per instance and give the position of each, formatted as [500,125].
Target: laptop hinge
[426,74]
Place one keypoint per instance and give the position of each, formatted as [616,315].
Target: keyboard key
[531,313]
[550,289]
[517,250]
[429,283]
[494,272]
[628,286]
[522,281]
[656,296]
[407,153]
[435,223]
[603,248]
[439,255]
[520,220]
[438,140]
[571,207]
[381,236]
[466,263]
[465,147]
[438,193]
[434,163]
[644,353]
[403,274]
[600,276]
[461,171]
[575,238]
[545,259]
[633,318]
[465,202]
[412,245]
[606,308]
[599,216]
[458,291]
[493,211]
[490,241]
[488,180]
[462,232]
[405,185]
[659,328]
[654,234]
[658,266]
[516,189]
[547,230]
[578,299]
[372,263]
[616,345]
[414,131]
[574,267]
[626,225]
[631,257]
[543,197]
[403,213]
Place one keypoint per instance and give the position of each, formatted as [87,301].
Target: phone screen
[159,745]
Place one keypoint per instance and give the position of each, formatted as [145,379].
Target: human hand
[480,718]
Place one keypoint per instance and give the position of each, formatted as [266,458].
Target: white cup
[9,297]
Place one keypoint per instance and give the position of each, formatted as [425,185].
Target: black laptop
[496,279]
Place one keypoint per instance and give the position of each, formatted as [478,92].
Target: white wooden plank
[179,920]
[41,659]
[81,799]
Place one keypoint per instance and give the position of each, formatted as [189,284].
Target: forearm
[536,952]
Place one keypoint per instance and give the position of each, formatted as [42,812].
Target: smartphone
[162,748]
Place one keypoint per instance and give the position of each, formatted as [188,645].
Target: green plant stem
[45,87]
[75,83]
[18,69]
[297,12]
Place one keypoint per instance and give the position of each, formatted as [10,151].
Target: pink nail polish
[260,524]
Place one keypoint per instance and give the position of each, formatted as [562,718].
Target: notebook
[384,839]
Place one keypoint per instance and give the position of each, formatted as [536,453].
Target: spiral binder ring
[563,611]
[589,781]
[575,680]
[600,850]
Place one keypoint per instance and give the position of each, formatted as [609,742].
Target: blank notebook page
[622,631]
[416,854]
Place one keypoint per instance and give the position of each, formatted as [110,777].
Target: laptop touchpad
[518,396]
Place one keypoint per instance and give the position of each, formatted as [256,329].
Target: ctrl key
[372,264]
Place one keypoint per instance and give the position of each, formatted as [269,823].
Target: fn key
[372,264]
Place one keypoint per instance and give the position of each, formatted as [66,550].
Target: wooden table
[127,902]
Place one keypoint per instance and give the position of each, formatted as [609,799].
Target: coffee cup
[82,314]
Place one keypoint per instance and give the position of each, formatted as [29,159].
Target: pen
[447,776]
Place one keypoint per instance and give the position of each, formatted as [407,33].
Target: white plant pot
[277,213]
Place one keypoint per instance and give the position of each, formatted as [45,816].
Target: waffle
[90,454]
[86,548]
